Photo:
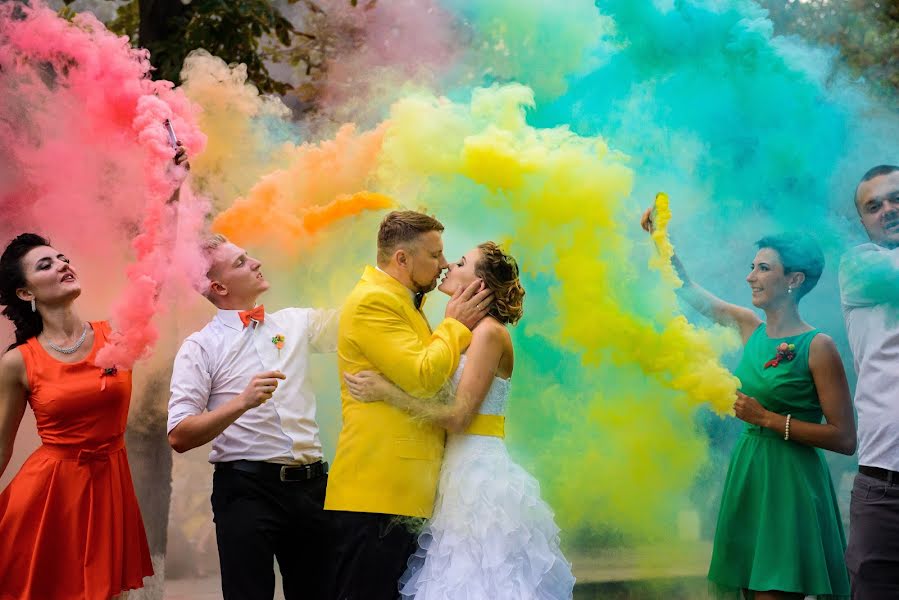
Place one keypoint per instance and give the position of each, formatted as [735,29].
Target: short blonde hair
[212,243]
[207,248]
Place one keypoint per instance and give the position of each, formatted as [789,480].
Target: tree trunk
[159,23]
[150,458]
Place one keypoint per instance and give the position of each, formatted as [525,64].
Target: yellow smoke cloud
[569,196]
[566,199]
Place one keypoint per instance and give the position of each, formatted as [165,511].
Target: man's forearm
[435,409]
[196,430]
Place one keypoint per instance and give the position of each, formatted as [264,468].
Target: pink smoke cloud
[88,161]
[388,47]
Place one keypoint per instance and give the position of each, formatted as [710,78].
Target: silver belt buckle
[305,468]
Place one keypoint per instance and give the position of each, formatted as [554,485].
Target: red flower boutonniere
[278,341]
[785,352]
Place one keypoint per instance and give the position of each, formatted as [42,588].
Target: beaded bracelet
[787,428]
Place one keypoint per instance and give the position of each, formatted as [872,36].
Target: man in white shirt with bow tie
[240,382]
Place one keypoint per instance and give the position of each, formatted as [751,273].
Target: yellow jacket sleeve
[394,348]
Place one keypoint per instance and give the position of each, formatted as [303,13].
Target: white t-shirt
[869,294]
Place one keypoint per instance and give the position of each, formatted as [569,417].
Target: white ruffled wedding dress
[491,536]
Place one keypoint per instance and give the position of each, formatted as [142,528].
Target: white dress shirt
[217,363]
[871,311]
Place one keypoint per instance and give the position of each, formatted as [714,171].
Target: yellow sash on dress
[491,425]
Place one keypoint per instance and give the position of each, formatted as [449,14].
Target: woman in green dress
[779,533]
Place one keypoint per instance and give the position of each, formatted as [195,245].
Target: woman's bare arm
[13,394]
[837,433]
[703,301]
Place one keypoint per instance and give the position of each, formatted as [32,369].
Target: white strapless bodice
[497,395]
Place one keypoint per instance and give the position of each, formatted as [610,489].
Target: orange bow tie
[257,314]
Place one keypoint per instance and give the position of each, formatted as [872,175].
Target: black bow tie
[419,296]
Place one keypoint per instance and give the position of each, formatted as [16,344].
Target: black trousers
[873,551]
[370,554]
[259,518]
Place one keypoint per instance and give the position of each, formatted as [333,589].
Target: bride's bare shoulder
[490,331]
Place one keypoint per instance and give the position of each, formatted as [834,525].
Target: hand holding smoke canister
[177,146]
[179,169]
[173,139]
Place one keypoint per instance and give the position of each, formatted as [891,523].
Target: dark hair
[28,323]
[402,227]
[499,271]
[799,253]
[878,171]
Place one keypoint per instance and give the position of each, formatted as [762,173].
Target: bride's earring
[33,306]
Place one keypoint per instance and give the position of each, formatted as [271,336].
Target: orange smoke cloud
[323,183]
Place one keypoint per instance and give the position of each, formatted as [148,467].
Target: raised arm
[178,171]
[488,344]
[703,301]
[869,276]
[323,329]
[838,431]
[13,394]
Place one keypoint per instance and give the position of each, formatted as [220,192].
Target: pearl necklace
[73,348]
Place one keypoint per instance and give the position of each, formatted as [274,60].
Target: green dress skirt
[779,525]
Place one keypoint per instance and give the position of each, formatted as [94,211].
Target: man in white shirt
[869,290]
[240,382]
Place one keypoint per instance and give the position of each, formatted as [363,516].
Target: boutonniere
[104,373]
[785,352]
[278,341]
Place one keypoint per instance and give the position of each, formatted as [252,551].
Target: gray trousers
[872,555]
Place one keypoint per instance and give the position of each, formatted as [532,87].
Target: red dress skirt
[70,526]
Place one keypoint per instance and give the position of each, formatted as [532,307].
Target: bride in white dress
[491,536]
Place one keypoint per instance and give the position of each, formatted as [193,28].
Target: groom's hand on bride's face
[470,305]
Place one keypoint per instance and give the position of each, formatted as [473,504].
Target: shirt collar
[378,276]
[230,318]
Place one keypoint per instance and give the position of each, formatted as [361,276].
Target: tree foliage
[866,33]
[257,33]
[238,31]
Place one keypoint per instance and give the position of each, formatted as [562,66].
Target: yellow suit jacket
[387,461]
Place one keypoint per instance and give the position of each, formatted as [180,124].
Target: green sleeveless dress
[779,525]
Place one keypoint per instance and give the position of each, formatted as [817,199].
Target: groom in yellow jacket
[387,463]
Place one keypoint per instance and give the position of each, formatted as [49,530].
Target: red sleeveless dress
[70,526]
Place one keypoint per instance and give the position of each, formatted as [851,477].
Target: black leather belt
[274,470]
[890,477]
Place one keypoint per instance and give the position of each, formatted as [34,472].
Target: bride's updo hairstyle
[499,272]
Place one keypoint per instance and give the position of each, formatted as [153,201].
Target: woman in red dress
[70,525]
